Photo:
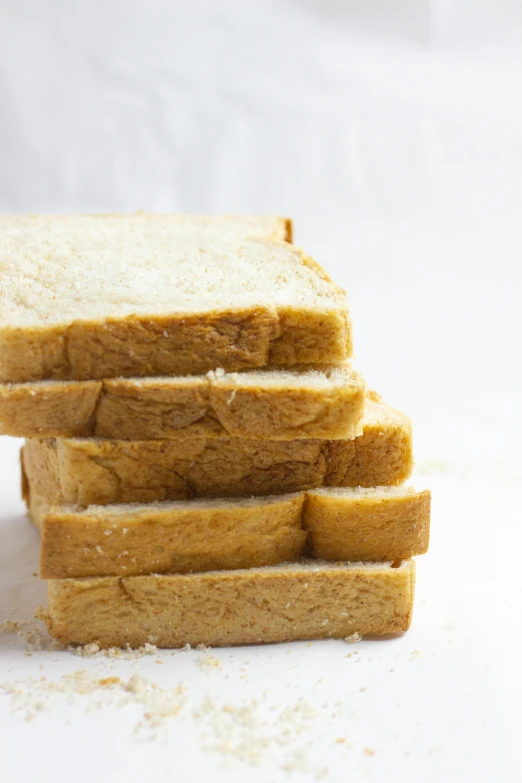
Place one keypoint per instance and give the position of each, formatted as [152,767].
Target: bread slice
[170,537]
[321,402]
[381,523]
[374,523]
[89,297]
[313,600]
[92,471]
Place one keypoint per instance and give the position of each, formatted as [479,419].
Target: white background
[392,133]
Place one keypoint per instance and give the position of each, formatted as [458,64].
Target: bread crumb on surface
[254,731]
[93,651]
[34,637]
[8,626]
[34,695]
[209,662]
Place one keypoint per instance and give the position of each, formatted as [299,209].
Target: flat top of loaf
[59,269]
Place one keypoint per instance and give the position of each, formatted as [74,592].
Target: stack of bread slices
[202,461]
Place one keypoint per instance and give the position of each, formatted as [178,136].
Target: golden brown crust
[311,338]
[382,456]
[39,410]
[40,470]
[96,471]
[201,406]
[188,536]
[235,607]
[160,540]
[174,345]
[368,527]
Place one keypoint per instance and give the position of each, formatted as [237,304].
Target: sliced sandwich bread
[94,471]
[90,297]
[319,402]
[381,523]
[310,600]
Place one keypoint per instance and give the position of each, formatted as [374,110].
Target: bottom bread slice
[307,600]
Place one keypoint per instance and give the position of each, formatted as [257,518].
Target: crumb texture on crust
[273,604]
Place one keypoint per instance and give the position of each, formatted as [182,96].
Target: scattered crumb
[9,626]
[108,681]
[369,752]
[354,638]
[209,662]
[93,651]
[34,695]
[34,637]
[247,733]
[415,654]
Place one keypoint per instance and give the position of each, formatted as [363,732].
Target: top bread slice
[89,297]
